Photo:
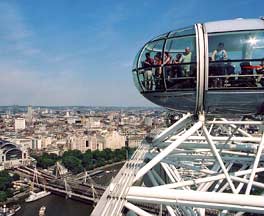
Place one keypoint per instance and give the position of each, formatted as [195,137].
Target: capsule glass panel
[236,60]
[136,60]
[136,81]
[160,37]
[149,64]
[180,63]
[182,32]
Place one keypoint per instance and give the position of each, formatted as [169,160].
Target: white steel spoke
[136,209]
[167,150]
[218,157]
[255,165]
[173,128]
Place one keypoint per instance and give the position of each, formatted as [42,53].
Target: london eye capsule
[216,67]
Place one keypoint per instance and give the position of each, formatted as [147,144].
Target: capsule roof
[238,24]
[234,25]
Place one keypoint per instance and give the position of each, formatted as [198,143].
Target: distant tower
[148,121]
[67,114]
[29,114]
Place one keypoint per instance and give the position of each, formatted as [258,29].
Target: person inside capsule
[167,60]
[219,55]
[175,71]
[147,65]
[158,72]
[186,58]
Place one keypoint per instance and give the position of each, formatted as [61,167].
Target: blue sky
[68,52]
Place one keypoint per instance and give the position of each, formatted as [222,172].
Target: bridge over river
[78,187]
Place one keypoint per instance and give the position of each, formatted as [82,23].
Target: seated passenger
[147,64]
[186,58]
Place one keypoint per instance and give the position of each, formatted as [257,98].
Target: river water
[55,206]
[59,206]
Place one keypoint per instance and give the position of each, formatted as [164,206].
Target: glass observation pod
[216,67]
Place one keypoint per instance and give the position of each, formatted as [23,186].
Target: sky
[68,52]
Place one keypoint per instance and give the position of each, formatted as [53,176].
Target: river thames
[58,205]
[55,206]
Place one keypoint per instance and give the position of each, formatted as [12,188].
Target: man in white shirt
[186,58]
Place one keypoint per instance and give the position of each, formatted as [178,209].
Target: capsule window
[180,63]
[236,60]
[136,60]
[150,61]
[183,32]
[136,80]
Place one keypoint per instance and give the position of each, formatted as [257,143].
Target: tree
[96,154]
[120,154]
[46,160]
[73,164]
[3,196]
[5,185]
[5,180]
[75,153]
[109,154]
[87,160]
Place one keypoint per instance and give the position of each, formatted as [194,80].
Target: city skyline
[67,53]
